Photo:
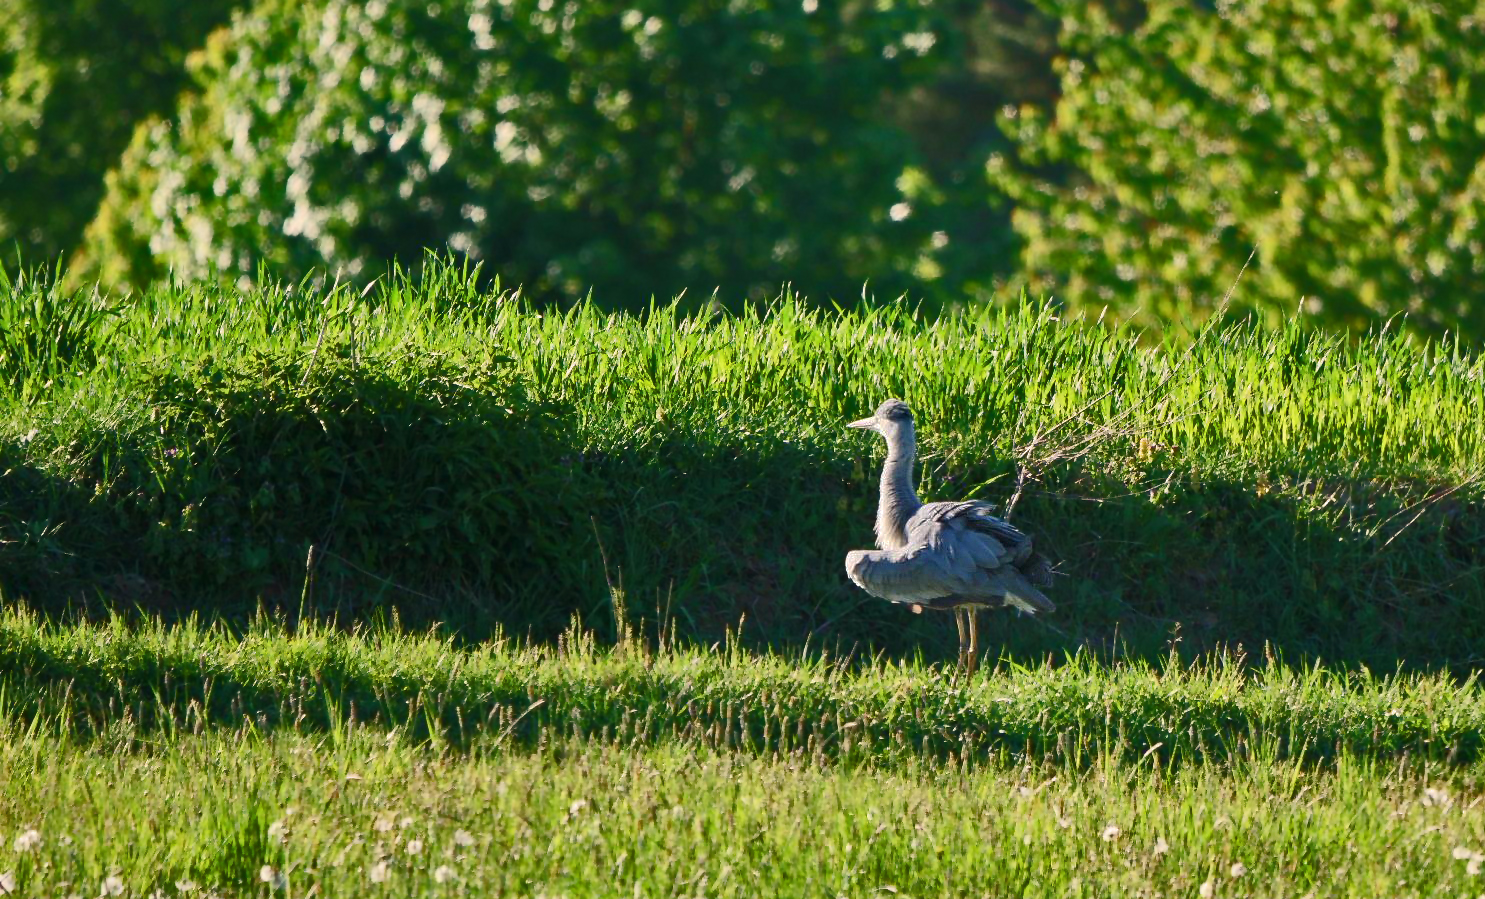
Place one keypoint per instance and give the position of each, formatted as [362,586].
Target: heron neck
[898,501]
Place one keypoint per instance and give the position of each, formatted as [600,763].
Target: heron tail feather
[1020,593]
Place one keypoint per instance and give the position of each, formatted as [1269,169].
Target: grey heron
[946,555]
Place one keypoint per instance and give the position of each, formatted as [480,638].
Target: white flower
[1238,869]
[275,878]
[462,838]
[900,211]
[27,841]
[1111,833]
[1161,846]
[186,886]
[384,824]
[113,885]
[443,874]
[380,872]
[414,847]
[278,832]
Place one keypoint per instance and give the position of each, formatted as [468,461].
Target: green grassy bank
[465,459]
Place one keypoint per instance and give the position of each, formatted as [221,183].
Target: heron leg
[974,639]
[963,635]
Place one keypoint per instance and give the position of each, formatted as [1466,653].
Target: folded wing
[956,554]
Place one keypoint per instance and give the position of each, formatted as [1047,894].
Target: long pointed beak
[866,424]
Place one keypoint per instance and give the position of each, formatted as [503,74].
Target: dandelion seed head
[380,872]
[27,841]
[113,885]
[1161,846]
[414,847]
[1238,869]
[1207,889]
[443,874]
[463,838]
[383,824]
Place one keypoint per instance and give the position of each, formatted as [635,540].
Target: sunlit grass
[366,811]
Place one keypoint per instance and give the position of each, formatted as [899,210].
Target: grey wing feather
[956,553]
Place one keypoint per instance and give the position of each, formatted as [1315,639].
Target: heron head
[891,418]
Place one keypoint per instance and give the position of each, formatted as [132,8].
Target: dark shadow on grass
[436,495]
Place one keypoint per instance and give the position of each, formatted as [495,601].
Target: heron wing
[955,552]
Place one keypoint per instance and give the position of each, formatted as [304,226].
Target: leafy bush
[634,149]
[1342,141]
[75,78]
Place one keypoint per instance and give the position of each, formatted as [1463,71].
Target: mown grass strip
[360,812]
[152,680]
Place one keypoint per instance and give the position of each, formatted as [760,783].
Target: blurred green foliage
[76,76]
[1130,154]
[1343,141]
[636,149]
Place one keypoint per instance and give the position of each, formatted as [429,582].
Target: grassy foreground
[429,446]
[369,814]
[194,762]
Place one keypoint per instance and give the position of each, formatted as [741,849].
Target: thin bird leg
[974,639]
[963,635]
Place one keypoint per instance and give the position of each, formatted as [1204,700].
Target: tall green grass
[461,457]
